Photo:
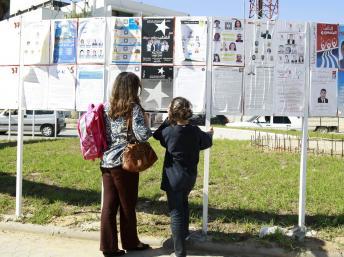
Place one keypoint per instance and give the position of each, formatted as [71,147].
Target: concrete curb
[244,249]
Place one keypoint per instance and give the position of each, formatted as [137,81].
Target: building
[56,9]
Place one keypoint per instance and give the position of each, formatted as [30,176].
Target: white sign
[36,87]
[189,82]
[191,41]
[10,43]
[9,86]
[227,90]
[91,40]
[323,96]
[61,93]
[90,86]
[35,42]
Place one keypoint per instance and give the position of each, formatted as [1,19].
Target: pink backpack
[91,129]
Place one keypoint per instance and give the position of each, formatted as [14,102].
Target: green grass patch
[248,189]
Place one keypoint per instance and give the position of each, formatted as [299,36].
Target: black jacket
[183,144]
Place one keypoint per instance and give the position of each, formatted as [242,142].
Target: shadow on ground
[79,197]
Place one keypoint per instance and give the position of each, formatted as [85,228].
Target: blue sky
[293,10]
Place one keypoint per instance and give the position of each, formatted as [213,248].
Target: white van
[44,121]
[273,122]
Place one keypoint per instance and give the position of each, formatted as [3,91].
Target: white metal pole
[19,179]
[303,161]
[33,124]
[207,125]
[9,125]
[55,130]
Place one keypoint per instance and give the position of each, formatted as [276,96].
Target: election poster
[36,80]
[64,38]
[228,41]
[291,43]
[91,40]
[341,47]
[115,70]
[35,42]
[289,90]
[341,93]
[327,51]
[260,43]
[157,82]
[323,95]
[191,41]
[157,40]
[227,90]
[90,86]
[190,82]
[61,90]
[126,40]
[258,91]
[9,46]
[9,86]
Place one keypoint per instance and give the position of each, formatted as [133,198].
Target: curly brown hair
[180,110]
[125,93]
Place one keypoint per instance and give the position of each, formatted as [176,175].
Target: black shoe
[140,247]
[113,254]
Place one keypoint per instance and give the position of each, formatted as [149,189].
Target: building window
[121,14]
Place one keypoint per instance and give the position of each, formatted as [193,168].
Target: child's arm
[206,139]
[158,133]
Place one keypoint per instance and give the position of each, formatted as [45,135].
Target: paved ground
[222,133]
[19,244]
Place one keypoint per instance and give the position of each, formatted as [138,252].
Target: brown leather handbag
[137,156]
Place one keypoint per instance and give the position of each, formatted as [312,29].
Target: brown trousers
[120,191]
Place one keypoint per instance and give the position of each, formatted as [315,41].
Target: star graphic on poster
[161,27]
[161,71]
[156,94]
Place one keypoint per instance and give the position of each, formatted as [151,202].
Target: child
[183,143]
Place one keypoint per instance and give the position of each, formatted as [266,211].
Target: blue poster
[65,34]
[341,47]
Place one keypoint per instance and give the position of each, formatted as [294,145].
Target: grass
[248,189]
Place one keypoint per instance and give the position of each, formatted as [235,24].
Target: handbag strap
[130,133]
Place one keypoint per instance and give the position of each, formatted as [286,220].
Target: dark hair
[323,90]
[180,110]
[125,93]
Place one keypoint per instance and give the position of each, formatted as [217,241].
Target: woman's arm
[158,133]
[141,131]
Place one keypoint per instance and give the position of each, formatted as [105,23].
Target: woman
[121,187]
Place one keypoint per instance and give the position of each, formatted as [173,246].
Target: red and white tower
[264,9]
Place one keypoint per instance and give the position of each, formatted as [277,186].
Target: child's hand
[211,131]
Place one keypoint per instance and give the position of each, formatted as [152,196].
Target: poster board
[228,42]
[36,80]
[63,41]
[126,34]
[61,92]
[258,91]
[157,40]
[91,41]
[9,77]
[227,90]
[191,41]
[323,93]
[327,51]
[11,28]
[157,92]
[36,42]
[190,82]
[115,70]
[90,86]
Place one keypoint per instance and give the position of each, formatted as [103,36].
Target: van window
[44,112]
[281,120]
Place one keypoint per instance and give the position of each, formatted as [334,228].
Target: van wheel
[47,130]
[322,130]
